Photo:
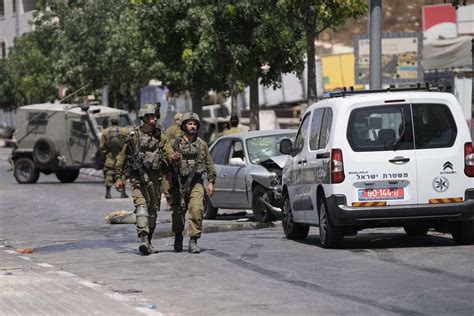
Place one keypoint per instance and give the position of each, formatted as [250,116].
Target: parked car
[248,167]
[380,159]
[59,138]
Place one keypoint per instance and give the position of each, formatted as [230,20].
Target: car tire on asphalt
[416,230]
[67,175]
[210,212]
[463,232]
[45,154]
[260,212]
[25,171]
[291,229]
[331,236]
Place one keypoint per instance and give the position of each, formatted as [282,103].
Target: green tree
[7,89]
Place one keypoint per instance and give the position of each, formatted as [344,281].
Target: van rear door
[440,157]
[381,168]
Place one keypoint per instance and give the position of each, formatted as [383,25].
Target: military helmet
[114,118]
[148,108]
[190,116]
[178,116]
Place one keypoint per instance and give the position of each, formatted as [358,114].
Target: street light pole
[375,69]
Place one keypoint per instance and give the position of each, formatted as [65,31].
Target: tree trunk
[196,99]
[311,64]
[254,106]
[233,95]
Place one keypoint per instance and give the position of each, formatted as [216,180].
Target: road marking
[25,258]
[45,265]
[12,252]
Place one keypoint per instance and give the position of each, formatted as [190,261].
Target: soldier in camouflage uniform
[195,161]
[172,133]
[155,155]
[111,143]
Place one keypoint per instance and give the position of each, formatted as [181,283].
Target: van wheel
[67,175]
[414,230]
[25,171]
[463,232]
[45,154]
[260,212]
[291,229]
[210,212]
[331,236]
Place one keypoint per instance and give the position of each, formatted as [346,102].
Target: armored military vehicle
[59,138]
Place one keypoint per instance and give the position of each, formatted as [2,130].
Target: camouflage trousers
[146,220]
[109,177]
[195,203]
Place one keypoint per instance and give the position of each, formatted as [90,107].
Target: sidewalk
[28,287]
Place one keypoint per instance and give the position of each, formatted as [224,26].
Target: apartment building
[14,17]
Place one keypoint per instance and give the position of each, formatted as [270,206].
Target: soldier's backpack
[115,141]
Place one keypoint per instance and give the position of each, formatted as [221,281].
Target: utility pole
[375,66]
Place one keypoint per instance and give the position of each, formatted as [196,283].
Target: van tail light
[468,160]
[337,166]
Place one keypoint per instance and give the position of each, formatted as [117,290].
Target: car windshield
[264,147]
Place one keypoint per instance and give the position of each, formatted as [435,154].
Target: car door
[79,141]
[295,183]
[382,170]
[234,176]
[440,158]
[219,154]
[317,169]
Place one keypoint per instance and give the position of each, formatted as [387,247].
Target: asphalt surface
[250,272]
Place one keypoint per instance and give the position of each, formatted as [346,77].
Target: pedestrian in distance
[148,155]
[172,133]
[111,143]
[194,163]
[233,126]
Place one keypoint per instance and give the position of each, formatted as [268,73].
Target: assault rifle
[135,163]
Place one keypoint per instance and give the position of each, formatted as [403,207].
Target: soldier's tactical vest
[191,154]
[149,148]
[115,141]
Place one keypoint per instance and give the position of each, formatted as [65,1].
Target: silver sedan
[248,167]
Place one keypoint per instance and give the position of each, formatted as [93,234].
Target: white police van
[386,158]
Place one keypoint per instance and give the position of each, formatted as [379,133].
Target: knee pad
[142,216]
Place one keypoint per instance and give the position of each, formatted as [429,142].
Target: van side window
[37,123]
[380,128]
[434,126]
[325,128]
[315,129]
[301,136]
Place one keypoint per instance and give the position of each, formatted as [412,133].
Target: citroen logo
[448,165]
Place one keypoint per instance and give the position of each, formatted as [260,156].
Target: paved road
[380,271]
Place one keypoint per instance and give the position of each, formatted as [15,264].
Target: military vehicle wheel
[25,171]
[413,230]
[291,229]
[67,175]
[260,212]
[330,235]
[463,232]
[210,212]
[45,154]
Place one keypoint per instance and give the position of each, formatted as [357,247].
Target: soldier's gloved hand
[210,189]
[176,156]
[119,185]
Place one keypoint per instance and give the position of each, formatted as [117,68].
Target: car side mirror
[286,147]
[236,161]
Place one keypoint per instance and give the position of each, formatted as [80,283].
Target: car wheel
[210,212]
[260,212]
[414,230]
[44,154]
[330,235]
[291,229]
[67,175]
[25,171]
[463,232]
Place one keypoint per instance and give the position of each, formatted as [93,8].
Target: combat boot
[143,248]
[150,246]
[107,193]
[193,246]
[178,242]
[124,193]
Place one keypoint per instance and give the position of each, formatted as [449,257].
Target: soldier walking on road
[172,132]
[195,162]
[111,143]
[148,154]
